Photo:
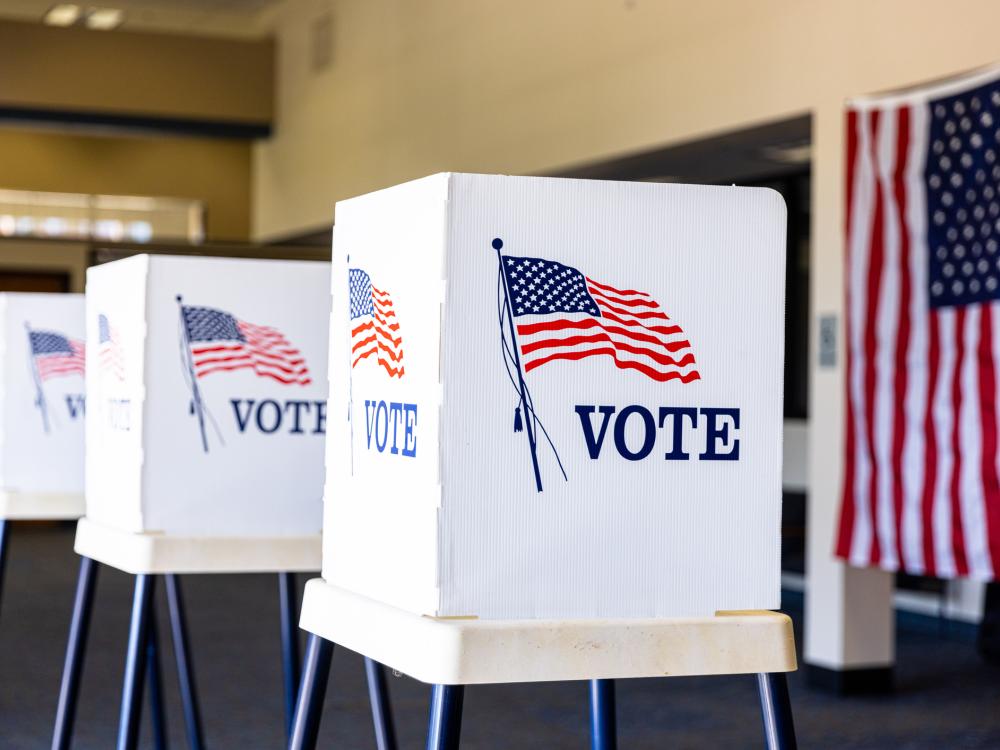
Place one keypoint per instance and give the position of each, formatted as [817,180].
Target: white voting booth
[207,380]
[555,429]
[594,431]
[42,406]
[207,386]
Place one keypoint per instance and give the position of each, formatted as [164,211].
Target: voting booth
[554,447]
[557,398]
[42,406]
[208,384]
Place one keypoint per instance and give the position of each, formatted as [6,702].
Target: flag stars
[546,286]
[962,175]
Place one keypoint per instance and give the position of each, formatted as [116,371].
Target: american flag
[56,355]
[920,491]
[564,315]
[109,351]
[374,325]
[221,342]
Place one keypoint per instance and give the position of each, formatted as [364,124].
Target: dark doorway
[34,281]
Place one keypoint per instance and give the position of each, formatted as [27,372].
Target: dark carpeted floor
[946,696]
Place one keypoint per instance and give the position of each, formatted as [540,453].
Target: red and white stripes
[920,489]
[379,336]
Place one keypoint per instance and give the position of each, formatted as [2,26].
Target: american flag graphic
[56,355]
[920,491]
[564,315]
[109,350]
[374,325]
[220,342]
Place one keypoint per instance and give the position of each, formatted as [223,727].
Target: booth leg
[135,662]
[185,668]
[445,726]
[603,721]
[776,709]
[289,645]
[312,691]
[4,540]
[76,648]
[155,675]
[378,692]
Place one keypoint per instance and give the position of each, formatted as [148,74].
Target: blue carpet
[946,696]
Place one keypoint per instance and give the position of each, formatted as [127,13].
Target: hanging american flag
[920,491]
[220,342]
[109,352]
[374,325]
[56,355]
[564,315]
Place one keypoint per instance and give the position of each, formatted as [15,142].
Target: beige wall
[526,87]
[215,171]
[132,73]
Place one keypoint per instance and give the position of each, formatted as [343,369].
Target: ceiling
[239,18]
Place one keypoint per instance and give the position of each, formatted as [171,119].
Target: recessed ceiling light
[104,19]
[64,14]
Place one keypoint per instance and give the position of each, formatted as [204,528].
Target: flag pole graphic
[39,392]
[528,413]
[196,404]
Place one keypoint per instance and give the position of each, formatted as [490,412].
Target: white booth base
[468,651]
[41,506]
[158,554]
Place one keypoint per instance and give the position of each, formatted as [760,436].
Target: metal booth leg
[289,645]
[445,726]
[378,692]
[603,722]
[155,675]
[4,540]
[312,691]
[185,668]
[776,710]
[135,662]
[83,604]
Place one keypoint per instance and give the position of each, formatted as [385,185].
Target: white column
[848,615]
